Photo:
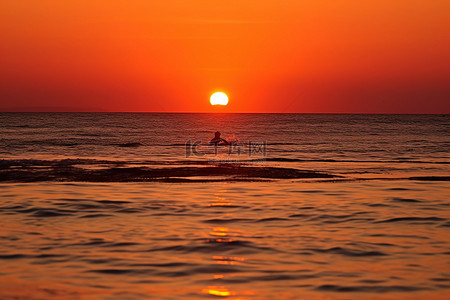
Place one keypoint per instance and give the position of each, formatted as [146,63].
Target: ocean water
[350,144]
[139,206]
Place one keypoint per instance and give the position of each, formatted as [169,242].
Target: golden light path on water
[224,235]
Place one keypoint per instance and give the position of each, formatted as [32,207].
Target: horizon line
[187,112]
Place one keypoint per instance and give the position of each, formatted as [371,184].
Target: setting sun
[219,98]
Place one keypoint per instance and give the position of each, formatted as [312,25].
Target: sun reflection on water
[223,260]
[221,291]
[219,231]
[224,235]
[218,291]
[220,201]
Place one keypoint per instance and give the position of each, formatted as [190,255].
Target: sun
[219,98]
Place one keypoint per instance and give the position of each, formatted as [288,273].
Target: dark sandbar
[24,171]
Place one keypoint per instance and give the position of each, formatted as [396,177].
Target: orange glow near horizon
[294,56]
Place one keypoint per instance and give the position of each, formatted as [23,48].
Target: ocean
[297,206]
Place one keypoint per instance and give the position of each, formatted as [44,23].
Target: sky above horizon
[311,56]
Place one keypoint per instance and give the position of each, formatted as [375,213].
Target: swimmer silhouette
[217,140]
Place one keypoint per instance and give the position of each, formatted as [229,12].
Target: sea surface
[299,206]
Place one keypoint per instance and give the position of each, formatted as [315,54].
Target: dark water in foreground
[341,207]
[352,240]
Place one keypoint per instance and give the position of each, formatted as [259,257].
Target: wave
[348,252]
[370,288]
[412,220]
[282,159]
[88,161]
[129,145]
[212,246]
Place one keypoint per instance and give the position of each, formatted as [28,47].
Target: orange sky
[268,56]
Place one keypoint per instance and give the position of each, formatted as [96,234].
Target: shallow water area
[232,240]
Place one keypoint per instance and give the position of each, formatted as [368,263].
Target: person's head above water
[218,140]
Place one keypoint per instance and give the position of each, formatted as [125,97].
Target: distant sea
[298,206]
